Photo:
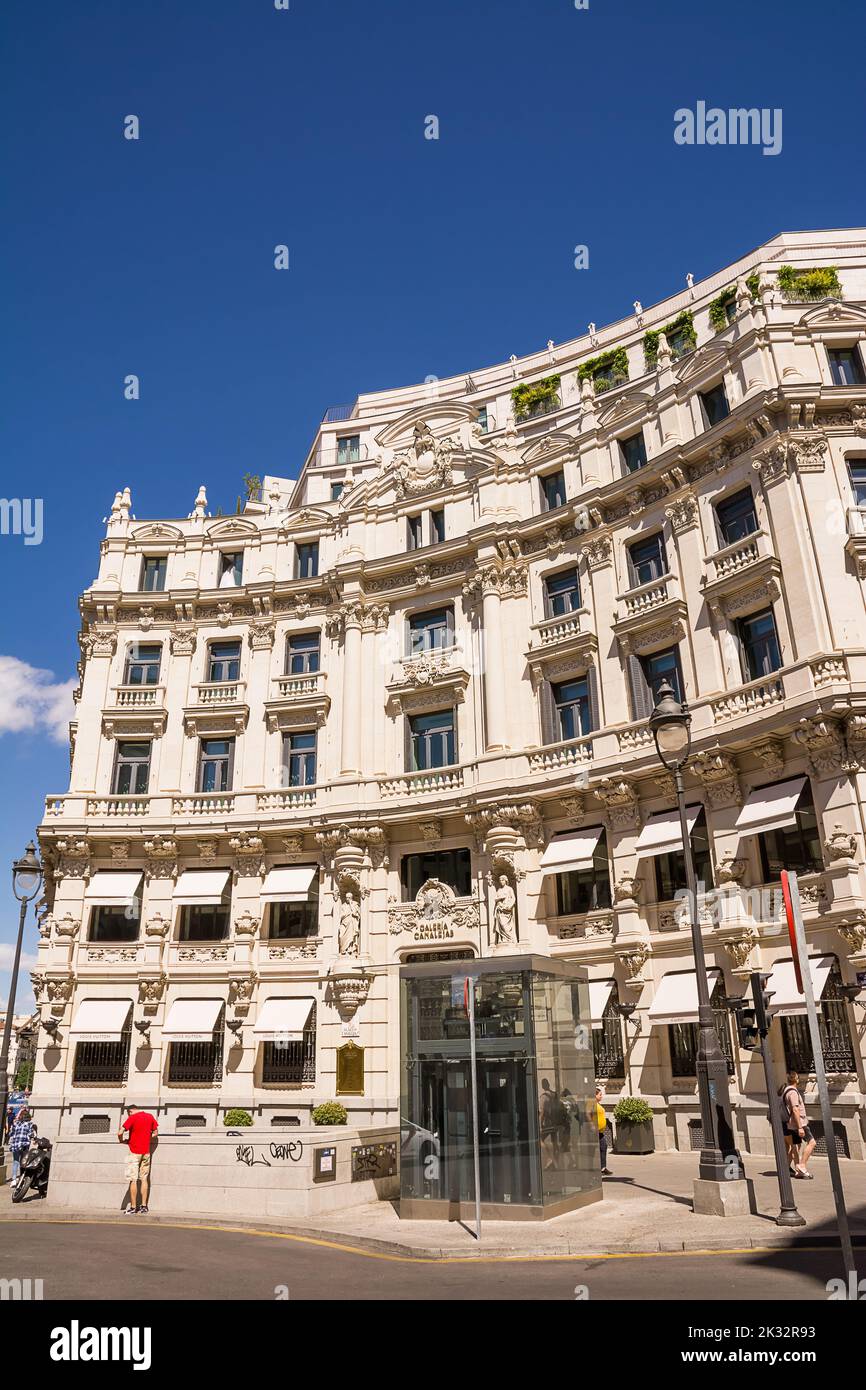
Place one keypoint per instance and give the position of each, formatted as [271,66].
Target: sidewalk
[646,1208]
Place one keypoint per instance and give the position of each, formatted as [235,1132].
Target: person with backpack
[799,1138]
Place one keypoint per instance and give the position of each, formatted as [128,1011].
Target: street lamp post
[720,1161]
[26,882]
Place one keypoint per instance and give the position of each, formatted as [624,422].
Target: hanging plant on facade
[681,336]
[535,397]
[718,307]
[809,282]
[607,370]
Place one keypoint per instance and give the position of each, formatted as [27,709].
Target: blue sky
[409,257]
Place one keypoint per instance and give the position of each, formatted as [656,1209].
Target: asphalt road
[136,1260]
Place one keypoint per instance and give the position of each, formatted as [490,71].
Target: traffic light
[747,1028]
[761,999]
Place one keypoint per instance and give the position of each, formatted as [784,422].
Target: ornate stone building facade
[398,707]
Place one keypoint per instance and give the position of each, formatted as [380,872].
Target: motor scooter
[35,1167]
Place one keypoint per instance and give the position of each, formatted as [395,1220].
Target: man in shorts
[141,1126]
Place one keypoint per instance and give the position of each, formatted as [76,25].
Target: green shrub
[809,282]
[683,325]
[237,1119]
[607,370]
[632,1111]
[534,397]
[330,1113]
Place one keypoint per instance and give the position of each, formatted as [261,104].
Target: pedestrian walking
[601,1121]
[798,1134]
[140,1127]
[20,1137]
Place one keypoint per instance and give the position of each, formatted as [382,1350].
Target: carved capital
[620,799]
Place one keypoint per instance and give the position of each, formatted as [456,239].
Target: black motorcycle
[35,1166]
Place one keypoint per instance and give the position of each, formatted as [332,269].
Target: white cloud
[31,700]
[7,958]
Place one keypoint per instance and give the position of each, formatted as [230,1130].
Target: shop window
[671,867]
[585,890]
[114,923]
[836,1043]
[683,1038]
[451,866]
[794,847]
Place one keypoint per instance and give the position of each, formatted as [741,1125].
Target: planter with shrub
[331,1112]
[634,1126]
[237,1119]
[799,283]
[535,398]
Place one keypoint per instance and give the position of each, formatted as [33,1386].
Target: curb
[349,1241]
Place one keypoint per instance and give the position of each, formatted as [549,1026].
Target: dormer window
[307,560]
[231,569]
[633,451]
[349,448]
[553,491]
[153,572]
[715,404]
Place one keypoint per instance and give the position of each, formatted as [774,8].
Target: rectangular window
[730,309]
[633,451]
[736,517]
[115,923]
[585,890]
[561,593]
[299,759]
[431,631]
[671,868]
[553,491]
[349,448]
[451,866]
[663,666]
[857,474]
[796,846]
[437,526]
[307,560]
[291,1063]
[153,571]
[836,1045]
[302,654]
[224,661]
[846,367]
[231,569]
[204,922]
[101,1062]
[196,1063]
[683,1038]
[483,421]
[290,921]
[607,1050]
[216,764]
[336,491]
[759,645]
[647,560]
[414,532]
[571,699]
[432,740]
[715,404]
[131,769]
[142,663]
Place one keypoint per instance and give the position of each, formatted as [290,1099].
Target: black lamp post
[720,1161]
[26,882]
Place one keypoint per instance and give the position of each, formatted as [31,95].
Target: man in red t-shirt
[141,1127]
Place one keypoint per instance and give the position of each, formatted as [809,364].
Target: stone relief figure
[426,464]
[504,914]
[432,901]
[350,926]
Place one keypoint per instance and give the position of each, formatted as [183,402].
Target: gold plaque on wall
[350,1070]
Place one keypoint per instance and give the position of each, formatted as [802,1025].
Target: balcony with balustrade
[135,709]
[746,565]
[297,700]
[647,608]
[444,669]
[855,545]
[217,707]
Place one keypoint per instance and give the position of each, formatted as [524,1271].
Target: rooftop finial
[199,511]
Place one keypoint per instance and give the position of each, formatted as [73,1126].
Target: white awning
[599,994]
[283,1020]
[192,1020]
[662,832]
[201,887]
[567,853]
[100,1020]
[106,889]
[787,999]
[769,808]
[289,884]
[676,999]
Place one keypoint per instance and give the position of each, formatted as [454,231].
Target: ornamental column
[350,728]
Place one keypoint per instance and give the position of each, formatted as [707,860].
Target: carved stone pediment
[437,914]
[425,466]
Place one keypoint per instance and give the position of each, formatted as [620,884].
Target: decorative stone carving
[119,851]
[241,989]
[839,845]
[348,991]
[523,817]
[740,947]
[157,925]
[597,552]
[72,859]
[855,738]
[371,840]
[249,852]
[261,635]
[683,513]
[182,641]
[731,869]
[718,774]
[809,453]
[207,849]
[349,933]
[621,800]
[246,924]
[426,466]
[67,927]
[161,857]
[574,807]
[150,991]
[633,959]
[45,924]
[430,831]
[435,915]
[38,983]
[504,914]
[293,847]
[824,744]
[771,755]
[59,993]
[853,932]
[626,888]
[98,641]
[743,600]
[772,463]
